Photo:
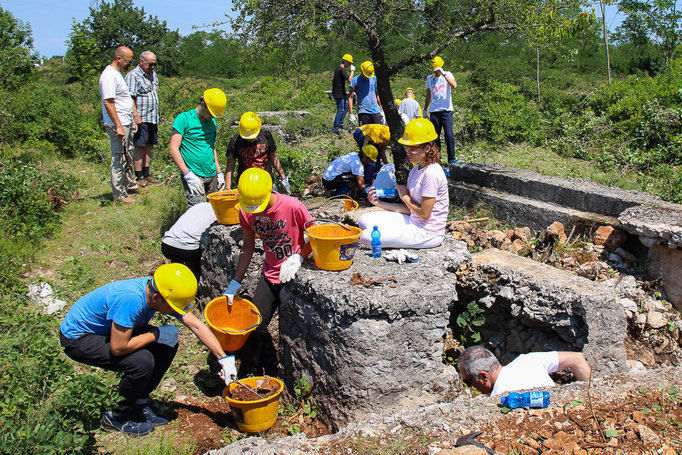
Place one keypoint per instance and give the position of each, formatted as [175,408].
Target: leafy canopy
[16,43]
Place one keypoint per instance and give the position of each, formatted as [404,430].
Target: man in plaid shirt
[144,84]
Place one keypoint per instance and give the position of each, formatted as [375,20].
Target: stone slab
[663,224]
[523,211]
[578,194]
[530,306]
[666,263]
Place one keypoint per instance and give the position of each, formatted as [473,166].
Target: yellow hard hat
[367,68]
[255,188]
[347,57]
[215,100]
[249,125]
[177,285]
[437,62]
[397,101]
[408,89]
[371,152]
[419,131]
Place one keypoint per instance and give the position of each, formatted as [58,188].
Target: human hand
[352,68]
[120,132]
[228,371]
[402,191]
[168,335]
[194,183]
[285,184]
[289,267]
[232,289]
[353,119]
[372,196]
[221,181]
[137,119]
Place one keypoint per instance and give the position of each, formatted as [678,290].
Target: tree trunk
[537,70]
[395,124]
[605,32]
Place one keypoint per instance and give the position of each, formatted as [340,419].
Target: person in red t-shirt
[253,147]
[279,221]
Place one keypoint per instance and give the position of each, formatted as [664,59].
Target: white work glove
[289,267]
[168,335]
[383,117]
[285,184]
[194,183]
[228,371]
[221,181]
[352,68]
[395,255]
[232,289]
[353,119]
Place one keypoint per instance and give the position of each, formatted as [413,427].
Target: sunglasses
[152,64]
[127,59]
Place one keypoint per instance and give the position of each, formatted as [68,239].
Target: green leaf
[643,389]
[645,411]
[479,321]
[611,433]
[476,337]
[672,391]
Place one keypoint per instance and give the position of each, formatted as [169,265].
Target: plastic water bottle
[376,242]
[386,193]
[532,399]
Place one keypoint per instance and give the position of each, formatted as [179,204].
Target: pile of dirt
[265,388]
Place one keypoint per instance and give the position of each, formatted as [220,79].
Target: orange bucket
[231,324]
[333,245]
[349,204]
[226,206]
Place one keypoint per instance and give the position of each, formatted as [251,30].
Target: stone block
[610,237]
[374,348]
[549,308]
[666,264]
[654,222]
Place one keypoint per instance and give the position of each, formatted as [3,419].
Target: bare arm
[111,110]
[204,334]
[122,342]
[575,361]
[360,180]
[451,80]
[276,164]
[422,210]
[245,254]
[351,91]
[174,147]
[217,162]
[229,169]
[389,206]
[351,76]
[427,100]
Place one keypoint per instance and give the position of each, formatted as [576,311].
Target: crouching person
[349,171]
[109,328]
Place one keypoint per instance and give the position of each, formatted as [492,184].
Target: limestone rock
[647,435]
[666,263]
[626,255]
[629,306]
[610,237]
[556,230]
[654,222]
[656,320]
[464,450]
[523,234]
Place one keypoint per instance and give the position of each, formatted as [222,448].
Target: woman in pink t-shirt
[419,221]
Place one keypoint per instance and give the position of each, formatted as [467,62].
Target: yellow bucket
[254,416]
[225,205]
[231,324]
[333,245]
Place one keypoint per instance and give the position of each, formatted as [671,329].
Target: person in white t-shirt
[182,242]
[118,110]
[438,103]
[418,220]
[409,106]
[348,171]
[478,367]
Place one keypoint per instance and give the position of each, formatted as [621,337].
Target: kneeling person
[108,328]
[350,170]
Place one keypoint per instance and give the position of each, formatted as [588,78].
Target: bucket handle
[305,225]
[240,331]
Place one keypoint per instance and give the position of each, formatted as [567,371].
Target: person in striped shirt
[143,85]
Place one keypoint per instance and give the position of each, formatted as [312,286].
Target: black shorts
[365,119]
[146,134]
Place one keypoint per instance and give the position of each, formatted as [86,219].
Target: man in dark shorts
[339,90]
[144,84]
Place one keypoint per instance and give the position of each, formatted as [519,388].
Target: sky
[51,20]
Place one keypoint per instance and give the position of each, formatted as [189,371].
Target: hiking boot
[336,131]
[127,200]
[151,417]
[130,427]
[142,182]
[151,181]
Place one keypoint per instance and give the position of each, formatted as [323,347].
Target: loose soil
[265,388]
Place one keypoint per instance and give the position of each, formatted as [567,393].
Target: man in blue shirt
[109,328]
[365,87]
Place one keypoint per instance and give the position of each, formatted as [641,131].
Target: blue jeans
[341,109]
[443,120]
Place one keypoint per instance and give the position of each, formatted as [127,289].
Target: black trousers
[142,369]
[190,258]
[258,355]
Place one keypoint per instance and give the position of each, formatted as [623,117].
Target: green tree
[93,41]
[396,34]
[16,43]
[210,54]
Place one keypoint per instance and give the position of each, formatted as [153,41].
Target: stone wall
[530,306]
